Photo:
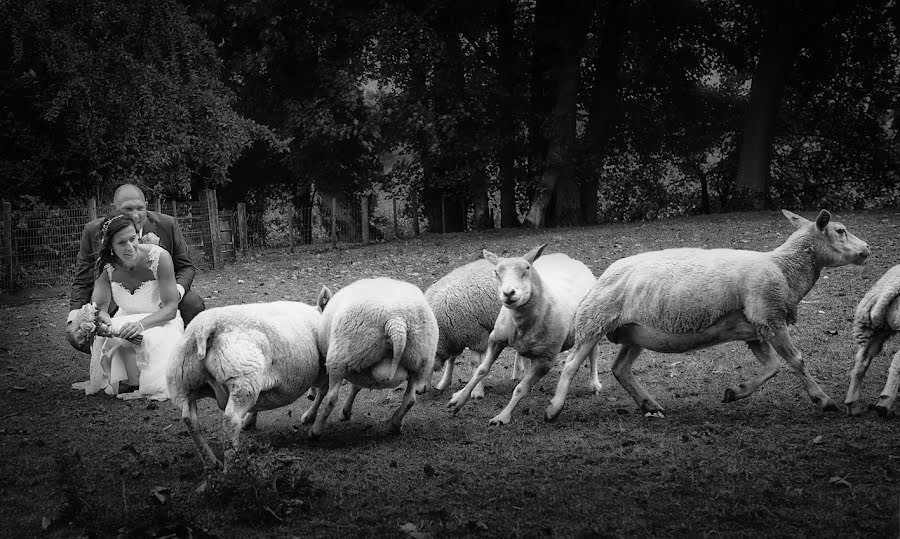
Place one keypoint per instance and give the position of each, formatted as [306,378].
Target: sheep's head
[514,277]
[833,243]
[323,298]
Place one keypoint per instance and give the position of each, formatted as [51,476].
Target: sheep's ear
[490,257]
[795,219]
[324,298]
[534,254]
[823,219]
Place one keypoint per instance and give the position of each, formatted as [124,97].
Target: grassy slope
[772,464]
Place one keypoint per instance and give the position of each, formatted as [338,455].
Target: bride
[140,278]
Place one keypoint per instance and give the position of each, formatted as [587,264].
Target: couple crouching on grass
[134,264]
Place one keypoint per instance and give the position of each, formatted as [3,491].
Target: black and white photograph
[430,269]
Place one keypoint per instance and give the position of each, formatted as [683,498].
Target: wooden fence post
[443,215]
[175,210]
[92,209]
[8,250]
[333,221]
[396,227]
[242,226]
[364,218]
[215,242]
[414,200]
[157,204]
[291,224]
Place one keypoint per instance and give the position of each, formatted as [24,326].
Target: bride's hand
[130,329]
[104,317]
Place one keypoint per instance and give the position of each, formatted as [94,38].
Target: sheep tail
[396,332]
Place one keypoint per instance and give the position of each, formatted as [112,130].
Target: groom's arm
[83,283]
[181,259]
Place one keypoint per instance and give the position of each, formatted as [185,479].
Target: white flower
[150,238]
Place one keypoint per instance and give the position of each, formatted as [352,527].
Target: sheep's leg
[189,416]
[478,392]
[460,397]
[596,386]
[539,367]
[310,414]
[573,362]
[334,387]
[786,349]
[863,359]
[766,355]
[409,399]
[348,404]
[889,393]
[447,377]
[241,400]
[621,369]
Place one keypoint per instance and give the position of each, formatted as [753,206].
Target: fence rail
[39,247]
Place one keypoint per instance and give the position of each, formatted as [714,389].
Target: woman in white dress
[140,278]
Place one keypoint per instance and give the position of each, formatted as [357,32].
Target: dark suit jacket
[170,239]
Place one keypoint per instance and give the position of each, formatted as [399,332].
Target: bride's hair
[115,222]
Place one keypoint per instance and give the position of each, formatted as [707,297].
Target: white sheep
[376,333]
[465,304]
[539,296]
[249,358]
[678,300]
[877,320]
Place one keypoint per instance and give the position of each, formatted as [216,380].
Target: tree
[101,92]
[788,25]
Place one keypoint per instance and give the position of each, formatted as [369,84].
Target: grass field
[769,465]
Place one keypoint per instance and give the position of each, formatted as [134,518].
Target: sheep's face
[840,247]
[832,242]
[513,281]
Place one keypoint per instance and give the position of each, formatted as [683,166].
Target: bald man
[130,199]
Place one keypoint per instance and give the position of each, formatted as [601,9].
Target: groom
[152,227]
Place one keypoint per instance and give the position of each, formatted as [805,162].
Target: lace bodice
[145,298]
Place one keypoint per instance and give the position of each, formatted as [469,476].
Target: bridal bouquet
[87,324]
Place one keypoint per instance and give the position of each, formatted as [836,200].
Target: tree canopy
[548,114]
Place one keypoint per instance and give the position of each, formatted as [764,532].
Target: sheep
[539,296]
[877,320]
[678,300]
[376,333]
[251,357]
[465,305]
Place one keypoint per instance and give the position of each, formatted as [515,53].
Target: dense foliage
[548,114]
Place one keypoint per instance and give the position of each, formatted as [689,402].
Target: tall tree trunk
[506,66]
[557,183]
[480,203]
[603,102]
[785,33]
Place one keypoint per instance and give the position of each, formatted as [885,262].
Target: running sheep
[376,333]
[539,297]
[465,304]
[678,300]
[877,320]
[249,358]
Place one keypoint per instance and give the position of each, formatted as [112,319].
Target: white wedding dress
[152,355]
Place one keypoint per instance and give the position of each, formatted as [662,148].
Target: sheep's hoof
[883,410]
[830,406]
[729,396]
[854,409]
[344,416]
[499,421]
[478,394]
[657,414]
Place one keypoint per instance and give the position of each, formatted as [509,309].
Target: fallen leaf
[409,527]
[831,332]
[817,439]
[160,494]
[839,481]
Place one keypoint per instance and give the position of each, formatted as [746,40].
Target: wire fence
[38,247]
